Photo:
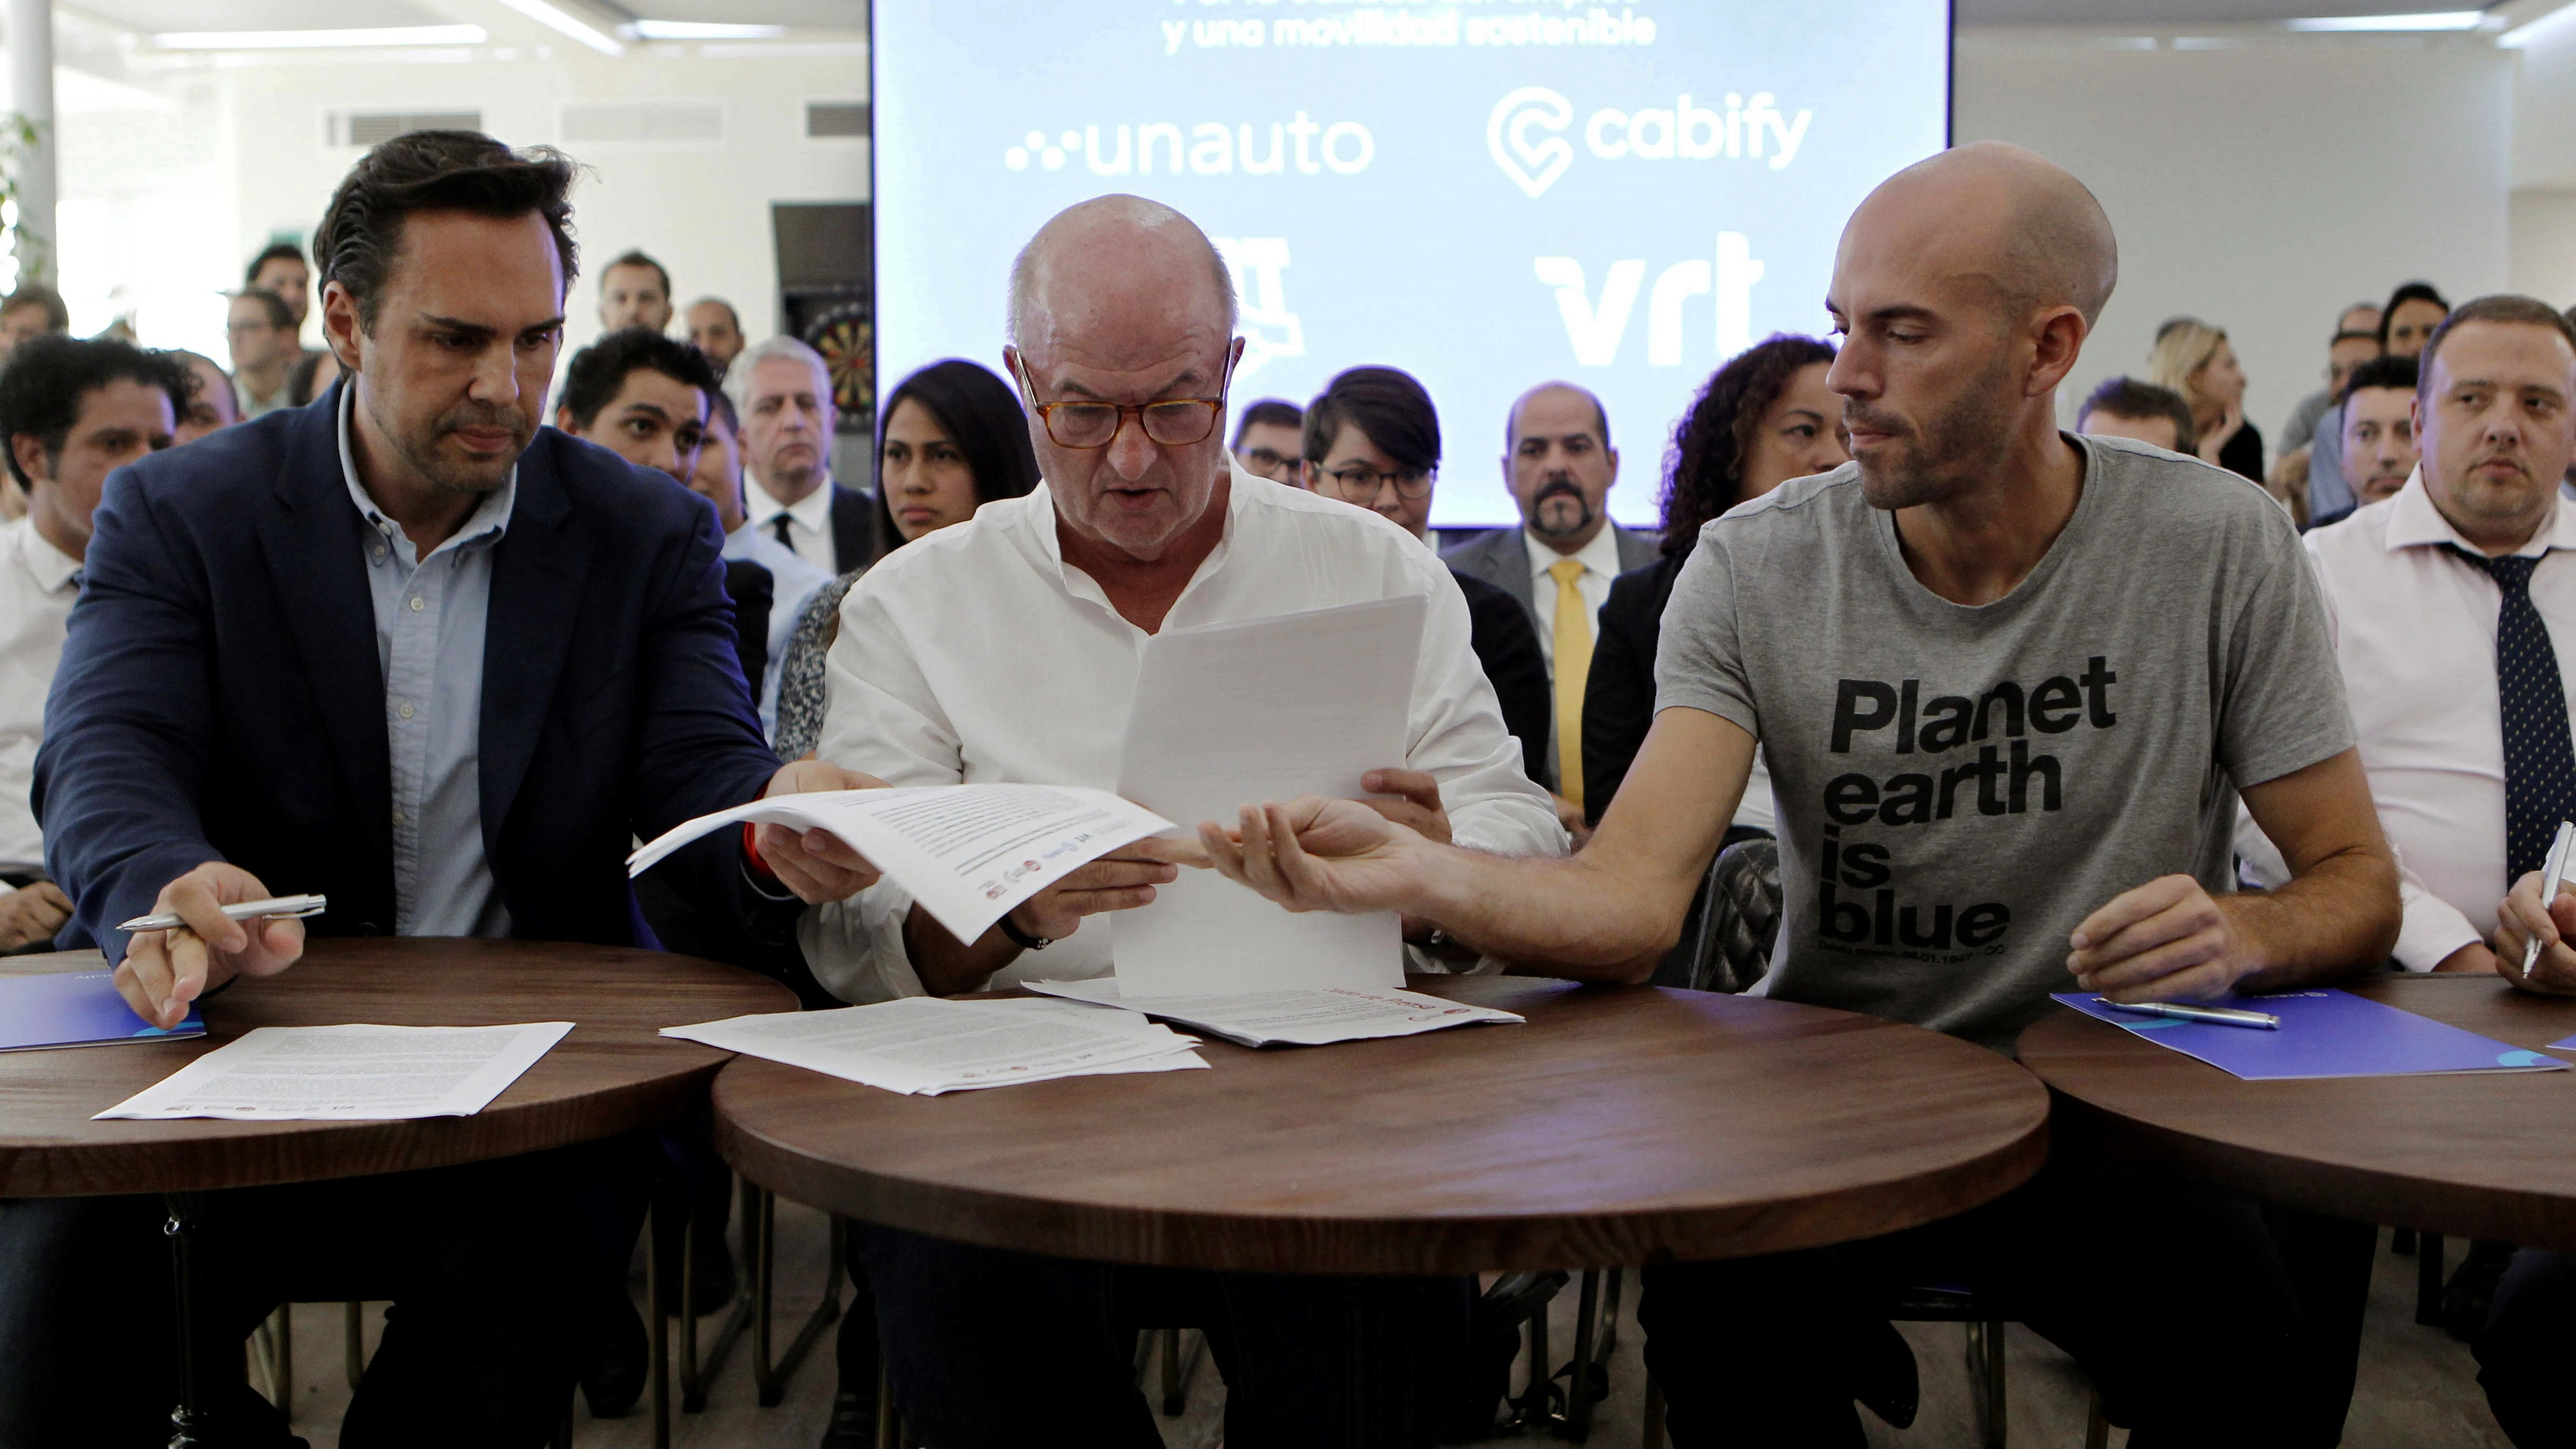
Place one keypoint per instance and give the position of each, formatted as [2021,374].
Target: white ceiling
[164,15]
[2164,13]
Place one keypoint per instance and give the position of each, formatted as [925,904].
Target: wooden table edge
[1367,1246]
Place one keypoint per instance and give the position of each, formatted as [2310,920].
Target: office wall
[2262,186]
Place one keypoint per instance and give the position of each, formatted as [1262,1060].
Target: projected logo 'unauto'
[1210,148]
[1519,132]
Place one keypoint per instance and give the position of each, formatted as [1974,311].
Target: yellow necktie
[1573,643]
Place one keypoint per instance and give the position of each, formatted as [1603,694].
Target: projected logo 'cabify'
[1756,129]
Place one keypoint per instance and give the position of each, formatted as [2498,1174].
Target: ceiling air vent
[648,123]
[373,128]
[834,120]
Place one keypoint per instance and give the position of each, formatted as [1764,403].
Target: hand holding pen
[166,968]
[2533,924]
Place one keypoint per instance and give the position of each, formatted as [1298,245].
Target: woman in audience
[1764,418]
[2196,360]
[951,439]
[212,407]
[2413,311]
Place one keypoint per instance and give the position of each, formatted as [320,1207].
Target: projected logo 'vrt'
[1595,325]
[1532,163]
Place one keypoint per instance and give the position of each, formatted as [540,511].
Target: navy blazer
[220,694]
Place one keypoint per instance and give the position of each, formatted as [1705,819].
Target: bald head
[1118,256]
[2008,215]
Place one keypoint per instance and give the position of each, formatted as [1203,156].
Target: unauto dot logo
[1533,163]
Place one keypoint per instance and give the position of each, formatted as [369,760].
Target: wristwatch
[1023,939]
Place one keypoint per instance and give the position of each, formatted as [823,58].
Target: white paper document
[1309,1017]
[967,853]
[356,1073]
[926,1045]
[1229,715]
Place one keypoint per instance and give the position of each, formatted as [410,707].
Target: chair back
[1740,918]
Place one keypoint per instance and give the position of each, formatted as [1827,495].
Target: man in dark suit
[335,651]
[1559,464]
[783,390]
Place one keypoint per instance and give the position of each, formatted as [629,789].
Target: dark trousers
[989,1348]
[2527,1355]
[2203,1320]
[489,1267]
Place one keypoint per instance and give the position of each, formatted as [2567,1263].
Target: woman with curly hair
[1764,418]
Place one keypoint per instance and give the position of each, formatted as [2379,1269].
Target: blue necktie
[2539,763]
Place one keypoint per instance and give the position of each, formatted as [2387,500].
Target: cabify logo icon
[1516,134]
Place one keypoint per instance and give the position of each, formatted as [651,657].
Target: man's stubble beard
[1963,442]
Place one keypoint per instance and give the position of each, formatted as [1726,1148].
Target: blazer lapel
[538,570]
[1508,559]
[313,541]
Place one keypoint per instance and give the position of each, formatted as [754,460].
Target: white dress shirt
[975,654]
[809,521]
[792,582]
[1600,560]
[38,583]
[2415,631]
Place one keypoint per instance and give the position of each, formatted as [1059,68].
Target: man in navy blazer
[407,649]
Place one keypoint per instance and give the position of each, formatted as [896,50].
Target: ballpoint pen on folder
[2213,1015]
[2552,875]
[281,906]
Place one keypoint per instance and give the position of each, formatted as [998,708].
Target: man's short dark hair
[2382,371]
[634,258]
[2505,307]
[1512,415]
[599,372]
[48,375]
[2371,337]
[280,316]
[2128,397]
[276,252]
[1269,412]
[58,318]
[1387,405]
[361,232]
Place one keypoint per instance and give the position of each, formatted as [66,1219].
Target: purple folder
[76,1008]
[2323,1034]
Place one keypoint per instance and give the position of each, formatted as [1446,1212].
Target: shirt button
[380,553]
[417,606]
[399,818]
[404,711]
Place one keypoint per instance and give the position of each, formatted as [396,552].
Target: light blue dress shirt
[792,582]
[430,616]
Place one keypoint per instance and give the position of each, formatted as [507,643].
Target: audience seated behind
[715,329]
[203,741]
[1371,438]
[311,377]
[260,330]
[211,404]
[1764,418]
[2196,362]
[1560,467]
[2375,421]
[782,390]
[634,291]
[31,310]
[2123,407]
[1269,439]
[2413,311]
[1004,648]
[2069,549]
[2355,340]
[70,412]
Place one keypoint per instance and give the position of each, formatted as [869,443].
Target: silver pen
[2214,1015]
[2553,874]
[274,908]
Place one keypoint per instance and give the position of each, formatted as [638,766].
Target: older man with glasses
[1006,648]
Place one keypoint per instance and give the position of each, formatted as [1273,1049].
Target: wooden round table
[611,1073]
[1621,1125]
[2481,1155]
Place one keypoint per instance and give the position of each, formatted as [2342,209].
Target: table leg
[188,1423]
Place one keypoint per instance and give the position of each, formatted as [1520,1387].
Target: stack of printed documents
[926,1045]
[356,1073]
[1307,1017]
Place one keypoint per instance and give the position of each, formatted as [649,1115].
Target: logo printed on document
[1533,165]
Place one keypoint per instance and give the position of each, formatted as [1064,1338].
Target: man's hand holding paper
[816,864]
[163,971]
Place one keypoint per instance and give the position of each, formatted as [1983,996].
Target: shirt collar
[2413,522]
[1600,556]
[53,569]
[814,510]
[489,520]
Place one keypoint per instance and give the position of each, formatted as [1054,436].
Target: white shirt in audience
[36,594]
[974,654]
[809,521]
[2415,630]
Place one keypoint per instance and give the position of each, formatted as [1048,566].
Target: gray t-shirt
[1959,787]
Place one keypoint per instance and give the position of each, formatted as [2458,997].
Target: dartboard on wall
[847,339]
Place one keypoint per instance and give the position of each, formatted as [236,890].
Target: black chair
[1733,925]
